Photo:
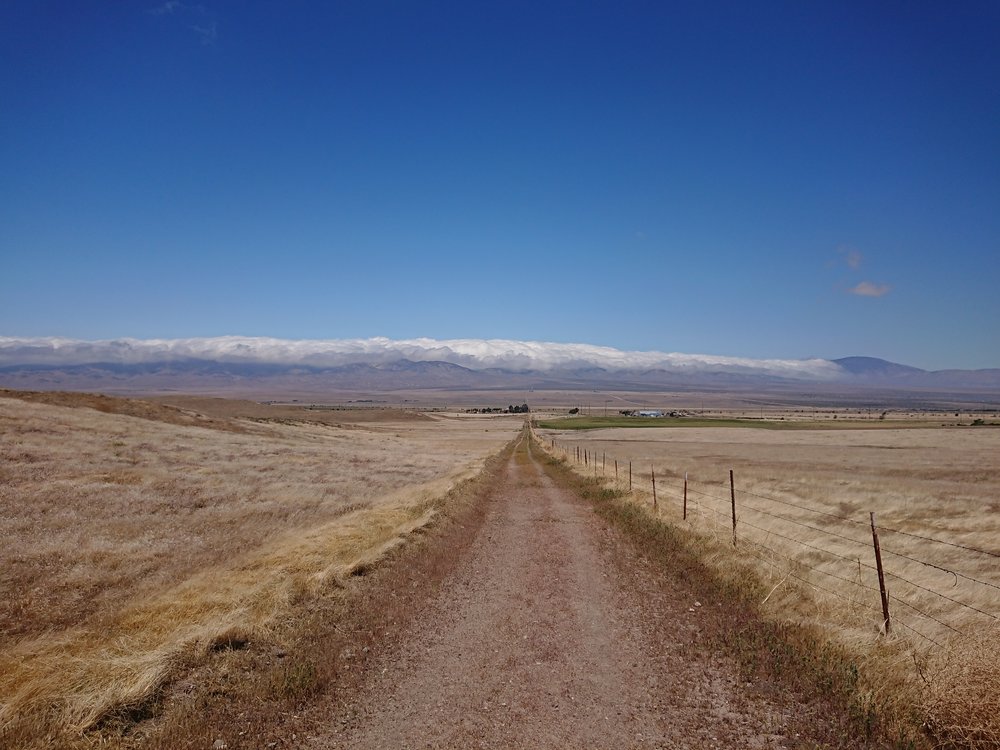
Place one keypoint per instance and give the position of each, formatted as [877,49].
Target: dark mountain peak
[429,367]
[873,367]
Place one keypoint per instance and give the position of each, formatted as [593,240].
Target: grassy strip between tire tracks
[797,656]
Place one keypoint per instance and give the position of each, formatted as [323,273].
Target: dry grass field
[138,535]
[803,498]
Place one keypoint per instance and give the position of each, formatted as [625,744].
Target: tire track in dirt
[554,632]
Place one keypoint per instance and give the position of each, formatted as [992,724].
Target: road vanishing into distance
[555,631]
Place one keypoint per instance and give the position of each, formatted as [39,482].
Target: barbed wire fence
[853,561]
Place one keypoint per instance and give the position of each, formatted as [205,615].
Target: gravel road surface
[553,631]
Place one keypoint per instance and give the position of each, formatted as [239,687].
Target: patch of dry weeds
[135,545]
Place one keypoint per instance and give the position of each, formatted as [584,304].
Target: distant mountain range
[243,365]
[874,370]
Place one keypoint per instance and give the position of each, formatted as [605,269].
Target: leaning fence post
[685,495]
[652,473]
[616,472]
[881,577]
[732,495]
[629,476]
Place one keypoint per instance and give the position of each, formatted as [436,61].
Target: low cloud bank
[472,353]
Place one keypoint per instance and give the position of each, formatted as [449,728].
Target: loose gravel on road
[555,632]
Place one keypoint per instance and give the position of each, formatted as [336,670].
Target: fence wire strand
[756,547]
[938,567]
[804,580]
[901,621]
[851,560]
[804,507]
[938,593]
[795,561]
[940,541]
[922,613]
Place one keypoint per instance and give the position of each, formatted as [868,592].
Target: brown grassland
[139,536]
[803,498]
[143,539]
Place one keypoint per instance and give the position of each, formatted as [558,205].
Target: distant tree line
[511,409]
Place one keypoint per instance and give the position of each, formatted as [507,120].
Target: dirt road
[555,632]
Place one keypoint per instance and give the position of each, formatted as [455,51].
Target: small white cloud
[207,33]
[167,8]
[852,258]
[868,289]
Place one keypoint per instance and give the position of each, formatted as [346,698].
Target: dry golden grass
[230,408]
[133,545]
[159,412]
[818,568]
[962,703]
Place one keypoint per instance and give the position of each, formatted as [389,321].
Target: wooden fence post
[685,495]
[881,578]
[629,476]
[652,473]
[616,471]
[732,495]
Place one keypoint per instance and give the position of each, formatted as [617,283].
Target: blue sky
[747,179]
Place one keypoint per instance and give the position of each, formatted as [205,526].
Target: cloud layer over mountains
[476,354]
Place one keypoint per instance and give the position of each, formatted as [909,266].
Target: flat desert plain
[138,535]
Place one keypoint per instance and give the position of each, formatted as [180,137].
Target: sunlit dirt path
[553,632]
